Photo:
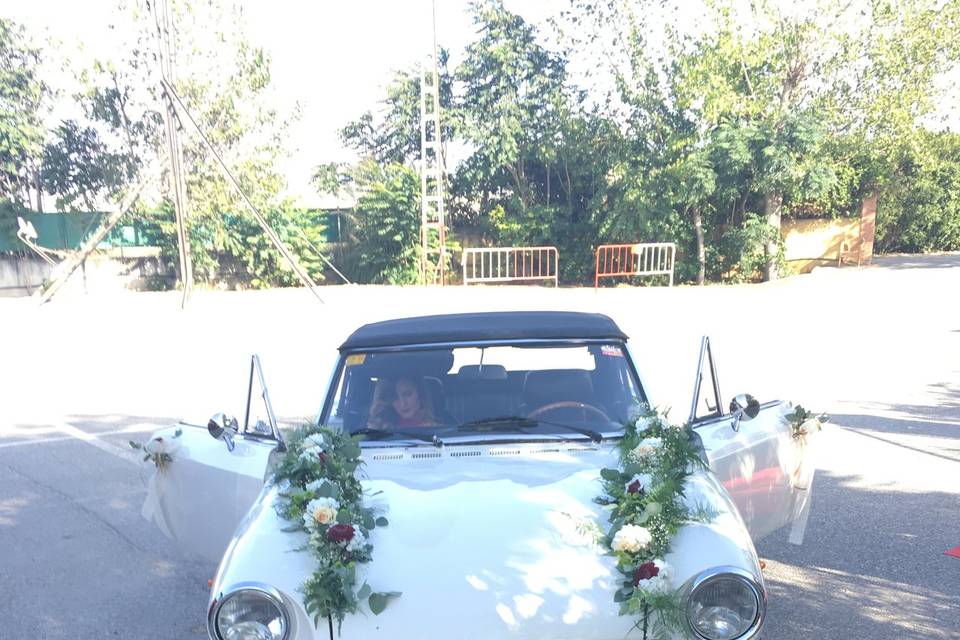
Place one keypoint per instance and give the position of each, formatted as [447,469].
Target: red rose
[635,487]
[323,458]
[340,533]
[644,572]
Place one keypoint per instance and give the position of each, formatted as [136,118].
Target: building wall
[817,242]
[23,276]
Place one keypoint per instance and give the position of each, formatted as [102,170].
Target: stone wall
[137,269]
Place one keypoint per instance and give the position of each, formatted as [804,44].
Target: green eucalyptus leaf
[611,475]
[377,602]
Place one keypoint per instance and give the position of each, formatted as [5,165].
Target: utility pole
[267,230]
[433,232]
[161,17]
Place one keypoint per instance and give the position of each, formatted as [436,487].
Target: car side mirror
[223,427]
[743,407]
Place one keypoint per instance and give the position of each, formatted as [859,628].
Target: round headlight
[725,606]
[250,613]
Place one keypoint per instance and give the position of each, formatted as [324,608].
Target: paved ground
[878,348]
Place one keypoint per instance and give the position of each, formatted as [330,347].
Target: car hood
[492,548]
[495,542]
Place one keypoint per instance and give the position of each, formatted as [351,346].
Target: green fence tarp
[67,231]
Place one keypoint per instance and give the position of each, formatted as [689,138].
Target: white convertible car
[485,437]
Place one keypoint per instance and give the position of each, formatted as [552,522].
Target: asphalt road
[877,348]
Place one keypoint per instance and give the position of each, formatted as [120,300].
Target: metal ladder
[433,232]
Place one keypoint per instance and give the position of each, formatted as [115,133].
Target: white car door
[201,497]
[753,453]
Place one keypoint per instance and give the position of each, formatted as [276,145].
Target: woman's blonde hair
[382,413]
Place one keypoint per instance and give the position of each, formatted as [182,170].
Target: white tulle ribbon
[152,509]
[801,481]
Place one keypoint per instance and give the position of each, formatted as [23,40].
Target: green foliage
[802,421]
[919,209]
[383,229]
[741,254]
[394,135]
[647,510]
[80,169]
[8,221]
[705,144]
[22,93]
[704,131]
[319,471]
[226,85]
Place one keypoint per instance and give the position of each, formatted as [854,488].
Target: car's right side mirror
[743,407]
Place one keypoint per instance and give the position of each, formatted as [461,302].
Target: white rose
[810,425]
[358,540]
[661,582]
[313,441]
[631,539]
[161,444]
[647,448]
[320,511]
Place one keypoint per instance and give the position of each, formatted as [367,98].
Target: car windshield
[504,391]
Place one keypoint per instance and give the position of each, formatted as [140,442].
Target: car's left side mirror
[743,407]
[224,428]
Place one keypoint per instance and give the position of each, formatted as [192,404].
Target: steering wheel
[569,404]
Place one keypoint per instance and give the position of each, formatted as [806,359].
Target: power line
[174,148]
[270,233]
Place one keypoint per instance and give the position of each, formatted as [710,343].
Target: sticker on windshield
[611,350]
[356,358]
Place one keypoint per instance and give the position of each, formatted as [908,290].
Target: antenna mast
[433,233]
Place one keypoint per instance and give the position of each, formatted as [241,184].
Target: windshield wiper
[383,434]
[522,423]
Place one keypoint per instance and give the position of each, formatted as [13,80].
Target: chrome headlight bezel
[742,576]
[263,590]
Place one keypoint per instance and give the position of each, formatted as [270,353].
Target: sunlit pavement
[878,348]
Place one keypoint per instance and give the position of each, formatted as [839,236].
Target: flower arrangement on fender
[322,496]
[803,422]
[645,493]
[159,449]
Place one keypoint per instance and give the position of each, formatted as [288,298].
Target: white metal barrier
[656,258]
[641,259]
[510,264]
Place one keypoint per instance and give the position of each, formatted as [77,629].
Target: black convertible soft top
[473,327]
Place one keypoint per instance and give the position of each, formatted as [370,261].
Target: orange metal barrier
[510,264]
[644,259]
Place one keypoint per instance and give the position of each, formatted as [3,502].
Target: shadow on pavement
[935,261]
[872,566]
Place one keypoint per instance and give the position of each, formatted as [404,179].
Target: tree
[383,228]
[513,103]
[919,210]
[22,93]
[393,135]
[225,84]
[785,110]
[79,168]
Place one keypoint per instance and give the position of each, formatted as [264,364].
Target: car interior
[470,393]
